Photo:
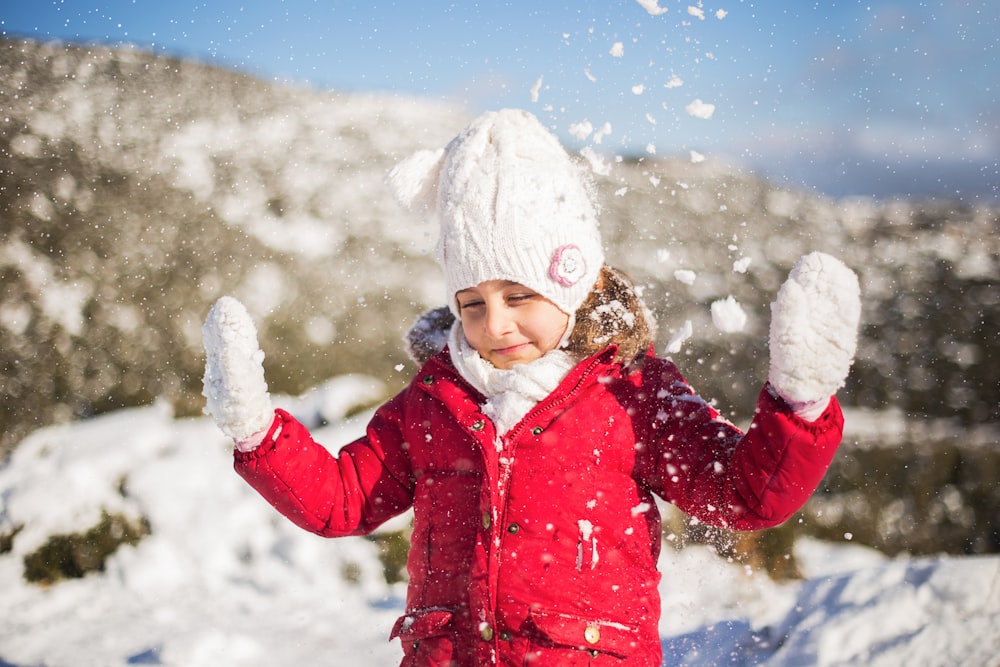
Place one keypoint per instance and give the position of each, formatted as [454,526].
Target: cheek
[472,332]
[557,335]
[554,331]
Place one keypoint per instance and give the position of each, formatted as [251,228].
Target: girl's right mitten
[234,385]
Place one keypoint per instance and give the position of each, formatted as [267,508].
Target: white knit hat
[512,206]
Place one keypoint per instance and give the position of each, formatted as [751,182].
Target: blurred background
[155,156]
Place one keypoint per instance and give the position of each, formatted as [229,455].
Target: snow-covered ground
[223,580]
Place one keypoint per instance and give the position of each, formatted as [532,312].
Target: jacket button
[428,379]
[513,528]
[537,430]
[487,521]
[592,634]
[478,425]
[504,636]
[486,632]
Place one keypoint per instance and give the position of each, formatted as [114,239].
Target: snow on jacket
[542,545]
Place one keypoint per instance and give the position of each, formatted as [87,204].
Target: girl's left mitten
[234,386]
[814,332]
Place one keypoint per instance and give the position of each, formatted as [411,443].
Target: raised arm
[367,483]
[723,476]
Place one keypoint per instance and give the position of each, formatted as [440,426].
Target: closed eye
[515,299]
[472,303]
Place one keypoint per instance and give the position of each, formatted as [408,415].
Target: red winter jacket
[542,545]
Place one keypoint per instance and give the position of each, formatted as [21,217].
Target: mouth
[511,350]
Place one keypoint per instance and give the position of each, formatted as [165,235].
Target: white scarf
[510,394]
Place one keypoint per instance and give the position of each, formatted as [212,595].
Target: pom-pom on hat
[512,205]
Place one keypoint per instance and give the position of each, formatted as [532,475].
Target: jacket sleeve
[365,484]
[724,477]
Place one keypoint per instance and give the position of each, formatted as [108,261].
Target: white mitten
[235,388]
[814,333]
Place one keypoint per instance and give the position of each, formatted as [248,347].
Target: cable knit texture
[512,205]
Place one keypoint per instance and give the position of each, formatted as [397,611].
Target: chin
[506,363]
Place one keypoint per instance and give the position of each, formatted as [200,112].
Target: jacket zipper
[506,458]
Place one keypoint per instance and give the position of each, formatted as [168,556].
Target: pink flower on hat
[568,265]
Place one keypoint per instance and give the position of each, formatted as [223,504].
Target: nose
[499,322]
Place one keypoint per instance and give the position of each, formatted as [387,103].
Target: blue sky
[871,98]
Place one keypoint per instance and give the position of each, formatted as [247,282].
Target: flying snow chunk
[678,338]
[581,130]
[589,76]
[721,14]
[741,265]
[685,276]
[700,109]
[696,12]
[728,315]
[652,6]
[617,50]
[697,157]
[603,132]
[638,89]
[597,164]
[675,82]
[535,88]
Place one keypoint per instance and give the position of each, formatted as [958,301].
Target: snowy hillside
[222,580]
[135,190]
[138,189]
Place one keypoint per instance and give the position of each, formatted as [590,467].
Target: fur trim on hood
[429,334]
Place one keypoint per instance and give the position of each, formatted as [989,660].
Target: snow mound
[223,580]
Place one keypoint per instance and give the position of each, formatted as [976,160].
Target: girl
[530,447]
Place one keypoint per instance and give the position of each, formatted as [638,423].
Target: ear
[414,181]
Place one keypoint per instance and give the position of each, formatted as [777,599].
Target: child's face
[509,324]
